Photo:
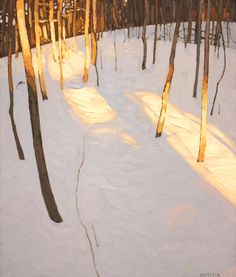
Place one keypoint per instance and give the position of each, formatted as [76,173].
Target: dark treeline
[110,15]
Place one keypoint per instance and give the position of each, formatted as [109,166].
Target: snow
[154,210]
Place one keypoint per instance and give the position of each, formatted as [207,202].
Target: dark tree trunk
[34,116]
[155,32]
[198,49]
[10,81]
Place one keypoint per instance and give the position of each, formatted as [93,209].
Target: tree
[155,32]
[202,146]
[52,29]
[59,27]
[34,116]
[10,81]
[87,50]
[167,86]
[38,50]
[198,38]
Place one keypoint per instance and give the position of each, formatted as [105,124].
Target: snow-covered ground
[149,208]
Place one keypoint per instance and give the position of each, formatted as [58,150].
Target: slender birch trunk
[94,38]
[155,32]
[202,146]
[3,27]
[16,41]
[59,11]
[52,30]
[63,38]
[198,49]
[87,50]
[34,116]
[74,21]
[144,35]
[190,15]
[167,86]
[10,81]
[38,50]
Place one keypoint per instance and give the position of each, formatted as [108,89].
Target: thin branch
[78,210]
[222,75]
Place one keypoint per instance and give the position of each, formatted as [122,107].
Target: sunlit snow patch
[182,130]
[118,133]
[89,105]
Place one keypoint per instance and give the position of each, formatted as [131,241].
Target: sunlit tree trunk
[34,116]
[94,37]
[87,50]
[166,90]
[52,29]
[155,32]
[38,50]
[202,145]
[59,11]
[10,81]
[63,38]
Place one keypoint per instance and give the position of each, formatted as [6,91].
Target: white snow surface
[154,210]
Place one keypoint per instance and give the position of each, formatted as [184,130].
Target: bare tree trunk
[218,34]
[63,49]
[3,27]
[155,32]
[94,37]
[59,11]
[144,35]
[52,29]
[74,21]
[38,50]
[34,116]
[30,20]
[198,49]
[10,81]
[166,90]
[16,41]
[87,50]
[202,145]
[190,15]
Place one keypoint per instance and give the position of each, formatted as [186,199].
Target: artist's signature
[210,274]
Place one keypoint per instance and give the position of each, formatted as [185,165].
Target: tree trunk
[155,32]
[87,51]
[74,21]
[198,49]
[34,116]
[38,50]
[59,11]
[190,15]
[94,38]
[166,90]
[144,35]
[16,41]
[202,145]
[52,30]
[10,81]
[3,27]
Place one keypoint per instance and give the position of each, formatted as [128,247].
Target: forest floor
[149,208]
